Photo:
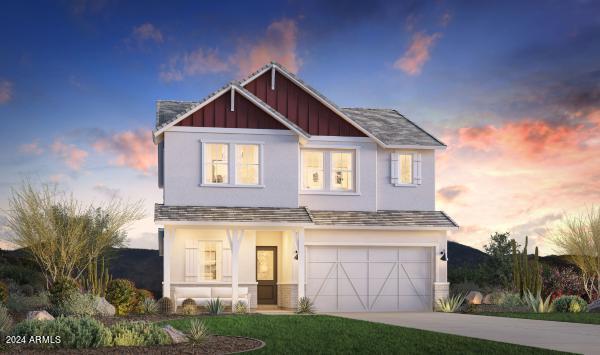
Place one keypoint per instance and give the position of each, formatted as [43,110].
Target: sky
[512,87]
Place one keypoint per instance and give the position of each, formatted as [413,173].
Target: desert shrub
[6,321]
[450,304]
[141,295]
[188,307]
[148,306]
[572,304]
[21,274]
[538,304]
[3,292]
[463,288]
[188,301]
[76,304]
[509,299]
[305,306]
[121,293]
[138,334]
[562,281]
[240,307]
[198,331]
[61,289]
[27,290]
[215,306]
[74,332]
[165,305]
[19,303]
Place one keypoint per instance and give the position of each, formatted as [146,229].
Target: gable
[300,107]
[217,113]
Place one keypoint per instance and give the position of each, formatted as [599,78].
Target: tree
[64,235]
[578,237]
[499,267]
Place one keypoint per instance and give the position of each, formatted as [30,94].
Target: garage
[369,279]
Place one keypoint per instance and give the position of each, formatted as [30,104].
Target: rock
[175,335]
[39,315]
[474,297]
[594,307]
[104,308]
[488,299]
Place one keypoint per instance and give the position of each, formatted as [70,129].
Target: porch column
[167,240]
[235,239]
[301,261]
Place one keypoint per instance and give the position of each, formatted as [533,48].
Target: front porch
[266,262]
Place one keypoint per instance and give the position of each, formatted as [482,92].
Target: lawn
[587,318]
[285,334]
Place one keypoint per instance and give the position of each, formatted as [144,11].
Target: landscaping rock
[488,299]
[474,297]
[594,307]
[175,335]
[39,315]
[103,307]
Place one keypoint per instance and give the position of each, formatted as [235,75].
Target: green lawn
[285,334]
[587,318]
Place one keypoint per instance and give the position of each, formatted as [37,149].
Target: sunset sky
[513,89]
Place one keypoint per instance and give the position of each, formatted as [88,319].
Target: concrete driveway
[570,337]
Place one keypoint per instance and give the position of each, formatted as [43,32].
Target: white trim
[329,192]
[399,228]
[436,147]
[267,225]
[370,244]
[272,78]
[232,185]
[219,130]
[232,163]
[232,100]
[210,283]
[340,139]
[257,74]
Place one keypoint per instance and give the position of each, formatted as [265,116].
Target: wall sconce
[443,254]
[296,255]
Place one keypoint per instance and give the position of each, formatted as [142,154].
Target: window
[216,164]
[247,164]
[341,171]
[405,162]
[312,170]
[406,169]
[326,171]
[210,260]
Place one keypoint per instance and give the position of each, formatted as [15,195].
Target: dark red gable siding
[300,107]
[218,114]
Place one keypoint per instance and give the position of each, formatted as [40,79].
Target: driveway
[570,337]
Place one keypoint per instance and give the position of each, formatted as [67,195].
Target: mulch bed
[215,344]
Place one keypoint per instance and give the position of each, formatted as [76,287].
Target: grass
[285,334]
[586,318]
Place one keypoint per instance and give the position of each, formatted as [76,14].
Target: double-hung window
[342,171]
[328,170]
[232,164]
[406,168]
[312,170]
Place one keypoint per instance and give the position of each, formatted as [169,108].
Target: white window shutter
[417,179]
[394,168]
[191,262]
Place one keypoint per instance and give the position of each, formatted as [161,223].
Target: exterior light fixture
[443,254]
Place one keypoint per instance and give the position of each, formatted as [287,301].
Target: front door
[266,274]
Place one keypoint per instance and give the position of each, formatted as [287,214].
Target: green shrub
[27,290]
[18,303]
[3,293]
[6,321]
[140,296]
[189,307]
[74,332]
[165,305]
[305,306]
[215,306]
[509,299]
[121,293]
[188,301]
[76,304]
[450,304]
[148,306]
[138,334]
[572,304]
[240,307]
[538,304]
[21,274]
[198,331]
[463,288]
[61,289]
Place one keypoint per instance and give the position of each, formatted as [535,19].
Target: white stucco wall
[416,198]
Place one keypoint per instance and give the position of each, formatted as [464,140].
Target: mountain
[460,255]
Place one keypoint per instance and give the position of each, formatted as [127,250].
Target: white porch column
[235,239]
[167,241]
[301,261]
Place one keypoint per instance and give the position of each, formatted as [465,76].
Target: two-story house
[273,191]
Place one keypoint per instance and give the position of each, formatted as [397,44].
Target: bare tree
[64,235]
[579,238]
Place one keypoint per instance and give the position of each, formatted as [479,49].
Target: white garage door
[370,279]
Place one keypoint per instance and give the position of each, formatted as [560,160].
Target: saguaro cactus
[97,283]
[526,274]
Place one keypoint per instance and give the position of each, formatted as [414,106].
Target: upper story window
[328,170]
[406,169]
[243,170]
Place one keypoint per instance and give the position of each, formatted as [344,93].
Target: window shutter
[394,168]
[417,169]
[191,261]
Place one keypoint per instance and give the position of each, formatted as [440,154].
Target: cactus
[94,283]
[527,276]
[188,301]
[165,305]
[516,267]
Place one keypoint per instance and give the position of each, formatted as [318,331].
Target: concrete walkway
[570,337]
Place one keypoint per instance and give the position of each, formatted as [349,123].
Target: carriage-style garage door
[370,279]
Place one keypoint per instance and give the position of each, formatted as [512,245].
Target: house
[271,189]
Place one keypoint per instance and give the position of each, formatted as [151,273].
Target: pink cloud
[70,154]
[445,18]
[31,148]
[6,91]
[198,62]
[133,149]
[450,193]
[417,54]
[147,32]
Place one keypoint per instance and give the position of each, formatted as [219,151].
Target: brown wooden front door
[266,274]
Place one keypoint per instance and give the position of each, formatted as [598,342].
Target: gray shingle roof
[382,218]
[391,127]
[168,110]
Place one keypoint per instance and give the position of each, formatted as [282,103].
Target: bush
[76,304]
[61,290]
[509,299]
[74,332]
[188,307]
[240,307]
[3,293]
[305,306]
[138,334]
[538,304]
[22,275]
[141,295]
[121,293]
[450,304]
[149,306]
[188,301]
[571,304]
[215,306]
[19,303]
[562,281]
[27,290]
[6,321]
[463,288]
[198,331]
[165,305]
